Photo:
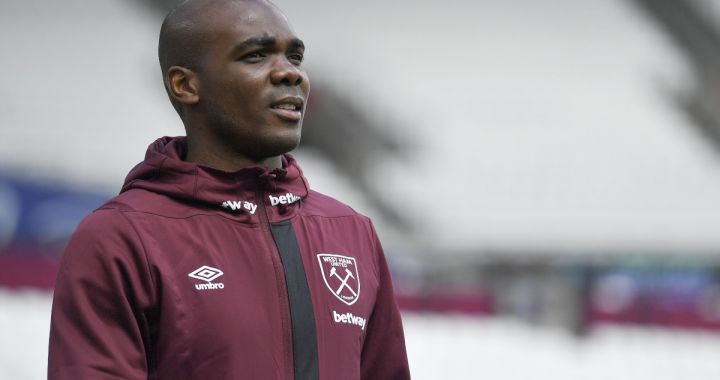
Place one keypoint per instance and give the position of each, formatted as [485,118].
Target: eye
[296,58]
[253,57]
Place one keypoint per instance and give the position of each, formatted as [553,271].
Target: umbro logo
[208,274]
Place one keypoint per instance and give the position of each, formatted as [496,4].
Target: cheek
[238,102]
[240,84]
[306,85]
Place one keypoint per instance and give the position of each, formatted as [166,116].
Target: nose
[287,74]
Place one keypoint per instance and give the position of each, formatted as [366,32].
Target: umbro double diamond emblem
[207,274]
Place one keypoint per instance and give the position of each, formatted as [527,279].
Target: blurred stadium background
[544,174]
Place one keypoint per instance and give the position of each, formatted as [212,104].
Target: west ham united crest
[341,276]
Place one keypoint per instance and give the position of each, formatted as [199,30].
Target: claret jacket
[196,273]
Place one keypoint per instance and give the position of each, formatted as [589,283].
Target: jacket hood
[164,172]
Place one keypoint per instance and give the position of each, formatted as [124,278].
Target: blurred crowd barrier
[36,220]
[577,293]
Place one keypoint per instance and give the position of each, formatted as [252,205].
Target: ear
[183,85]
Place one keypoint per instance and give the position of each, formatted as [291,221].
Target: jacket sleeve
[384,356]
[103,295]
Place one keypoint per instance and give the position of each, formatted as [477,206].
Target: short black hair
[179,41]
[181,38]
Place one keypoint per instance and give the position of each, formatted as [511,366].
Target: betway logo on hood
[240,205]
[284,199]
[252,207]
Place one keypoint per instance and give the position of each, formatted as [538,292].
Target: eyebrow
[295,43]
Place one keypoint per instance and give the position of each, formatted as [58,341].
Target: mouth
[288,108]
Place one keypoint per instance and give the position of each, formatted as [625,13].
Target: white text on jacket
[284,199]
[350,319]
[238,205]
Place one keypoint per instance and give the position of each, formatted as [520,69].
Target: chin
[284,147]
[288,140]
[272,146]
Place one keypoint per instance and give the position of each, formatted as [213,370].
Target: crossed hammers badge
[341,276]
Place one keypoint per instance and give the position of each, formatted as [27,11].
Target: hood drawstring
[267,181]
[283,208]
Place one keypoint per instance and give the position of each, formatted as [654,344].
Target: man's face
[253,90]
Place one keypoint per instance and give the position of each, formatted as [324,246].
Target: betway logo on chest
[350,319]
[283,199]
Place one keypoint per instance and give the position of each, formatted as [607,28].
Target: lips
[288,108]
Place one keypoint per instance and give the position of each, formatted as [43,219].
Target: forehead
[232,22]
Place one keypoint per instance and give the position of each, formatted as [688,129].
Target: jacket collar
[244,193]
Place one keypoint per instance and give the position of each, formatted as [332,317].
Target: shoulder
[319,204]
[103,240]
[105,220]
[103,256]
[107,229]
[137,200]
[332,213]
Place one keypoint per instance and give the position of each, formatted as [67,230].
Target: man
[217,261]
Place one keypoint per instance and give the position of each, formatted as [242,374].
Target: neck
[226,161]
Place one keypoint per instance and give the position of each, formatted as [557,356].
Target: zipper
[281,288]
